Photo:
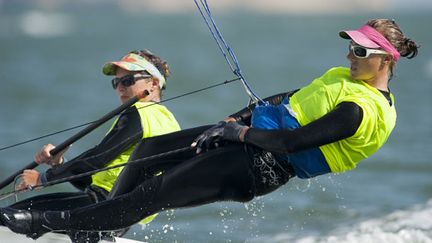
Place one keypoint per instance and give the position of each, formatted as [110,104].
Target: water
[50,70]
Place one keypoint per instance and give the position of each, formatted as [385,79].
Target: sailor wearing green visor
[135,72]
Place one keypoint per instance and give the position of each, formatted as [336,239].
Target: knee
[241,190]
[243,196]
[149,188]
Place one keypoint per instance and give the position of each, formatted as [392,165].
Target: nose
[121,87]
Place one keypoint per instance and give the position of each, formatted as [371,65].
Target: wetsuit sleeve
[338,124]
[125,133]
[244,115]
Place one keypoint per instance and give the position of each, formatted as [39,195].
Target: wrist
[43,178]
[39,180]
[229,119]
[57,162]
[243,133]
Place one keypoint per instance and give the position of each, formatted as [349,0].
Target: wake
[413,225]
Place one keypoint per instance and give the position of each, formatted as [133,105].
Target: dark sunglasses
[128,80]
[363,52]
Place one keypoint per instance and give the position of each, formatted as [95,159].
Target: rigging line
[45,136]
[88,123]
[216,39]
[172,98]
[193,92]
[217,36]
[7,195]
[13,193]
[70,178]
[125,141]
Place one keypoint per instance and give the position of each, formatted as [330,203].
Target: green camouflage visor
[134,62]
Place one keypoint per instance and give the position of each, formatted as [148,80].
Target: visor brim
[359,38]
[110,68]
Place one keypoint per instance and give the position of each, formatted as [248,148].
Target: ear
[155,82]
[388,59]
[385,61]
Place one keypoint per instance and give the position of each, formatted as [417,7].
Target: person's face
[127,92]
[366,68]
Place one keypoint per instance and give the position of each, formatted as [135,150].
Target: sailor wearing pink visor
[374,50]
[369,37]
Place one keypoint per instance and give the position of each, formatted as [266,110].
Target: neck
[380,81]
[154,96]
[379,84]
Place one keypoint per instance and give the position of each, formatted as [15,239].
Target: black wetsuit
[223,173]
[126,132]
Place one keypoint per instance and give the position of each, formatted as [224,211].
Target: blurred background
[51,54]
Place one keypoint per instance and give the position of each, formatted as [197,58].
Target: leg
[134,174]
[220,174]
[22,221]
[55,201]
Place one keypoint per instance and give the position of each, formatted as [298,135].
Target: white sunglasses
[363,52]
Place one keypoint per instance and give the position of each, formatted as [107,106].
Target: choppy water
[50,80]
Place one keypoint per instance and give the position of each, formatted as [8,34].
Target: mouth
[123,96]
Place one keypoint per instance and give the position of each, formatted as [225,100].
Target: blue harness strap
[307,163]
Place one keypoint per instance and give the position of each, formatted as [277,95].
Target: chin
[354,74]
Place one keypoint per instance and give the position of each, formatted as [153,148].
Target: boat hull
[10,237]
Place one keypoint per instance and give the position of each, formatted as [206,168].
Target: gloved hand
[209,137]
[222,131]
[232,131]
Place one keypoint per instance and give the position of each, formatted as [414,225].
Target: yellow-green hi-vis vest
[329,90]
[155,120]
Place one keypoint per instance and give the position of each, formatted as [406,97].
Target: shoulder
[154,112]
[130,115]
[338,71]
[151,109]
[333,76]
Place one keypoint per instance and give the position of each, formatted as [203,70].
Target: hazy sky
[293,6]
[265,6]
[413,3]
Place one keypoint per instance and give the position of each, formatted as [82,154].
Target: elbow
[283,146]
[289,148]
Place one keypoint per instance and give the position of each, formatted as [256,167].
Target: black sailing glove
[214,135]
[232,131]
[209,137]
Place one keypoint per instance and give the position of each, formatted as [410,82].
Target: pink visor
[369,37]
